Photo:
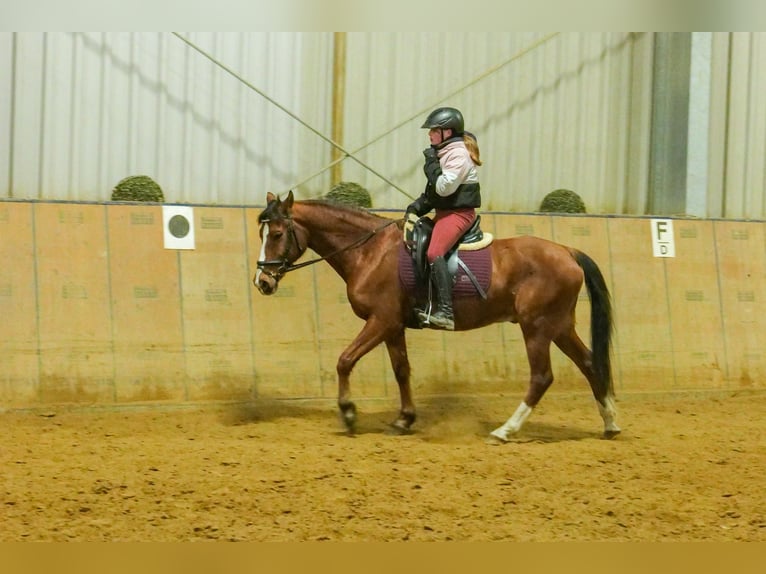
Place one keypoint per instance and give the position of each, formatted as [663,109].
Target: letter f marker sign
[662,238]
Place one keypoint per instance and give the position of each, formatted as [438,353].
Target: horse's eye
[276,235]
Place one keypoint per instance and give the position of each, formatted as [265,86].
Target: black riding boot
[443,317]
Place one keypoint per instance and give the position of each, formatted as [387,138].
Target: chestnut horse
[534,282]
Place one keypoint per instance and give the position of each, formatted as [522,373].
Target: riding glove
[432,168]
[419,207]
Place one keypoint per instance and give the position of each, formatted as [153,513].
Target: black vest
[466,195]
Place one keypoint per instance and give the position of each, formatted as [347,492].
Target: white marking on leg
[513,424]
[262,256]
[608,413]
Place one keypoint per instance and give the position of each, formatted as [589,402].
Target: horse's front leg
[368,338]
[397,352]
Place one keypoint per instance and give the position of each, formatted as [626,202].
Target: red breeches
[449,226]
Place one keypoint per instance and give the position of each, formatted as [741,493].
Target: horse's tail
[600,323]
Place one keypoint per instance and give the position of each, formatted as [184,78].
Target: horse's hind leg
[541,376]
[575,349]
[397,352]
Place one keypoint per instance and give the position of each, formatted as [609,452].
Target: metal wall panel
[26,119]
[738,133]
[549,112]
[6,109]
[85,110]
[80,111]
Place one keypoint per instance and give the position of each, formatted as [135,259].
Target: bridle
[284,264]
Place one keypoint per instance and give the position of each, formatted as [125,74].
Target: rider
[452,190]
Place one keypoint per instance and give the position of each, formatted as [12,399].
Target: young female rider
[452,190]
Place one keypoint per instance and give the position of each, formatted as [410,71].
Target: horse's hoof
[610,434]
[348,416]
[495,440]
[399,428]
[350,426]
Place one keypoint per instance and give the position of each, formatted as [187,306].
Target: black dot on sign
[178,226]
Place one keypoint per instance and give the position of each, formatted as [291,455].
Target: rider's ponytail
[472,144]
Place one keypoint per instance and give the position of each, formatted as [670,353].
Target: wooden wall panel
[216,317]
[742,271]
[426,350]
[19,369]
[97,311]
[644,357]
[475,362]
[694,305]
[148,334]
[76,362]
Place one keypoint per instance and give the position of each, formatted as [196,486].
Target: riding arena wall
[96,311]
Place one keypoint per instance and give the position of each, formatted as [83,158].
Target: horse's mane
[338,206]
[357,212]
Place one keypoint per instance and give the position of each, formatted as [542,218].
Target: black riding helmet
[445,118]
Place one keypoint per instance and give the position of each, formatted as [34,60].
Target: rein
[285,267]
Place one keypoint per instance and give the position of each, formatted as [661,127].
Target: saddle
[417,236]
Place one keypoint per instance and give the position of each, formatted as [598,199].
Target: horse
[534,283]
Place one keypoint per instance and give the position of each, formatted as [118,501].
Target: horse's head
[280,246]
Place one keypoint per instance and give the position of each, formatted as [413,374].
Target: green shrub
[350,193]
[138,188]
[562,201]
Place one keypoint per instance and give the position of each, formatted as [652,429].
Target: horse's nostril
[265,287]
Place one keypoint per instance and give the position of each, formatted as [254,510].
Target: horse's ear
[270,197]
[289,200]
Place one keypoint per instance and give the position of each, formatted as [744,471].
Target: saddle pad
[479,262]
